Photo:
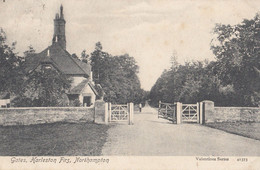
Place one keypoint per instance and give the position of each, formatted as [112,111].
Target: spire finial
[61,11]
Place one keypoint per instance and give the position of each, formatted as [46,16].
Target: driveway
[150,136]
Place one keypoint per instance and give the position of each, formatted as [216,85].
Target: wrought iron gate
[190,112]
[167,111]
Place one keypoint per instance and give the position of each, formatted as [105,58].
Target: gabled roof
[59,57]
[78,89]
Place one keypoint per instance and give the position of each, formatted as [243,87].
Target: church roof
[60,58]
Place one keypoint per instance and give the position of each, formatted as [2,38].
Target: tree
[237,49]
[43,89]
[11,74]
[74,55]
[29,52]
[84,57]
[117,75]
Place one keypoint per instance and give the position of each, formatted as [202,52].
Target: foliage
[75,103]
[11,74]
[232,80]
[42,89]
[191,83]
[237,49]
[117,75]
[85,57]
[29,52]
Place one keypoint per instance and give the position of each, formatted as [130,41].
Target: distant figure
[140,107]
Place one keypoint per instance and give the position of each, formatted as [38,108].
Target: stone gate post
[101,112]
[109,112]
[106,113]
[208,111]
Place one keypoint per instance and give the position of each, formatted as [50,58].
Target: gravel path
[150,136]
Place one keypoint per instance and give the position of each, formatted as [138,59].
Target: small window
[47,67]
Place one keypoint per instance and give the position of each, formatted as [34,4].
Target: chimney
[91,77]
[59,29]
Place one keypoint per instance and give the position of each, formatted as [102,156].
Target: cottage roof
[60,58]
[78,89]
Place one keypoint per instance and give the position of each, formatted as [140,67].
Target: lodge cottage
[57,57]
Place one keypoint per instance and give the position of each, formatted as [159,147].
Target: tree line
[232,80]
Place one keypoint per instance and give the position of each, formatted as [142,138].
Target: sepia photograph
[129,84]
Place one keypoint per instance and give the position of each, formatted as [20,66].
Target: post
[208,111]
[198,112]
[174,113]
[201,112]
[100,112]
[109,112]
[159,109]
[179,112]
[130,107]
[106,113]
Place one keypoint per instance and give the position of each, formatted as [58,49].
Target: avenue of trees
[117,75]
[232,80]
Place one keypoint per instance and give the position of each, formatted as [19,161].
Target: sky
[148,30]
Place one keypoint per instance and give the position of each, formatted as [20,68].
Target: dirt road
[150,136]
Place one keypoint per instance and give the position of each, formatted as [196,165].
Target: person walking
[140,107]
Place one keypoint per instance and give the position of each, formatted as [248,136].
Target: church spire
[59,29]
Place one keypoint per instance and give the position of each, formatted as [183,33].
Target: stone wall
[249,114]
[229,114]
[40,115]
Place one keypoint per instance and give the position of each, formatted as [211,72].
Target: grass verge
[69,139]
[246,129]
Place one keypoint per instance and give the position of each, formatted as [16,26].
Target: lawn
[70,139]
[247,129]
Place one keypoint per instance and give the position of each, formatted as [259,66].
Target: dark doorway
[87,101]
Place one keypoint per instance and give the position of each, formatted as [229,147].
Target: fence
[205,112]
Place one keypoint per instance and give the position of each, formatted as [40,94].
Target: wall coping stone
[47,108]
[226,107]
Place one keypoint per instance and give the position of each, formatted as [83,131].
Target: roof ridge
[75,61]
[92,87]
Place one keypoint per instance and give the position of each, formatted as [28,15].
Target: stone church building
[57,57]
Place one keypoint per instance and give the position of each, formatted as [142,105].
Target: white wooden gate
[190,112]
[167,111]
[178,112]
[121,113]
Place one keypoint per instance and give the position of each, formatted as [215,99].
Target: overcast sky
[150,31]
